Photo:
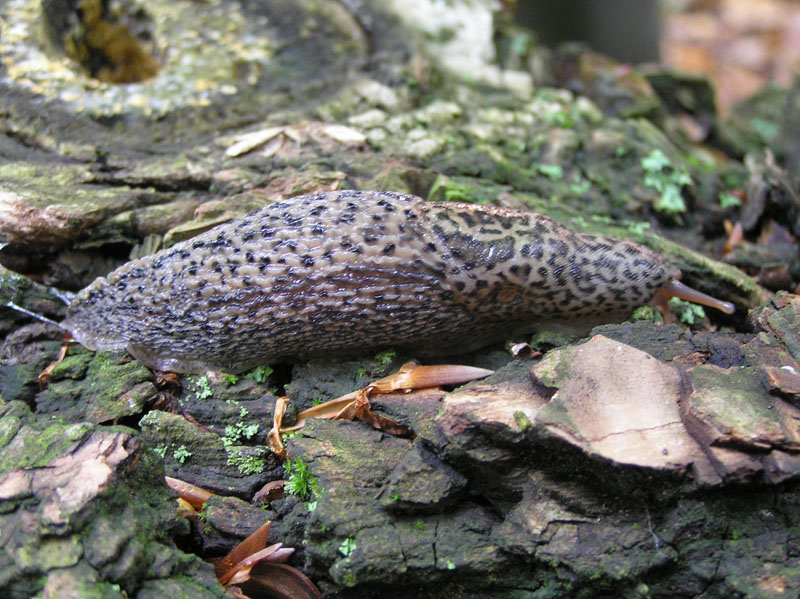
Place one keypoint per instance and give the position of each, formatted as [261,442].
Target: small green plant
[161,450]
[348,546]
[300,481]
[316,401]
[236,432]
[259,374]
[203,388]
[385,358]
[766,129]
[247,464]
[637,227]
[735,535]
[180,453]
[231,379]
[727,200]
[581,187]
[554,172]
[666,179]
[312,505]
[560,119]
[207,529]
[450,565]
[687,312]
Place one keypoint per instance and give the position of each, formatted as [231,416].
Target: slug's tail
[674,288]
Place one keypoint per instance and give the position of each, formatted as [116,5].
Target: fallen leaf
[252,544]
[356,405]
[192,494]
[270,492]
[279,581]
[241,571]
[45,374]
[274,435]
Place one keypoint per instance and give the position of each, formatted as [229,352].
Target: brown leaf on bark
[192,494]
[274,435]
[45,374]
[225,567]
[254,571]
[356,405]
[270,492]
[279,581]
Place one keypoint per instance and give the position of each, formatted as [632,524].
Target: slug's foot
[356,405]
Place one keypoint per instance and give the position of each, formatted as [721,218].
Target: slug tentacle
[356,272]
[674,288]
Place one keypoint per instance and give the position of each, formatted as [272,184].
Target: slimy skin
[351,272]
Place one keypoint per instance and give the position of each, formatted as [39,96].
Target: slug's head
[674,288]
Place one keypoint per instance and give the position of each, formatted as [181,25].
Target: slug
[351,272]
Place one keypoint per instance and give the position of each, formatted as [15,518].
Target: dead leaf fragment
[44,375]
[225,567]
[356,405]
[192,494]
[279,581]
[274,435]
[270,492]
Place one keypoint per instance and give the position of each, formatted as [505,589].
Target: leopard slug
[350,272]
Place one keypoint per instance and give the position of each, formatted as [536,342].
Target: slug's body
[354,272]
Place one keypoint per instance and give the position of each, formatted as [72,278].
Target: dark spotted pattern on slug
[355,272]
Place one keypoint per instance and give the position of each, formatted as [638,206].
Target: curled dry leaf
[185,509]
[278,581]
[356,405]
[241,572]
[44,375]
[270,492]
[226,567]
[523,351]
[192,494]
[254,571]
[274,436]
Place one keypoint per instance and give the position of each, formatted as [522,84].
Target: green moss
[522,421]
[727,200]
[554,172]
[300,481]
[181,453]
[667,179]
[385,358]
[259,374]
[203,389]
[347,546]
[248,460]
[687,312]
[32,448]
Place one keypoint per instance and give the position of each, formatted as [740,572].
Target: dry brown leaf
[356,405]
[192,494]
[186,510]
[274,435]
[225,567]
[45,374]
[270,492]
[279,581]
[241,571]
